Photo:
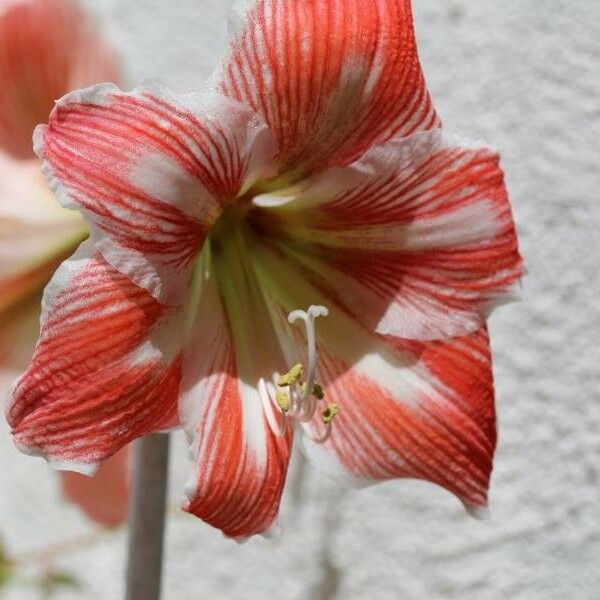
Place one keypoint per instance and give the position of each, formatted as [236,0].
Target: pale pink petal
[36,234]
[47,48]
[416,239]
[106,369]
[151,172]
[104,497]
[330,78]
[240,464]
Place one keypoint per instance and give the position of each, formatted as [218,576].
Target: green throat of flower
[229,259]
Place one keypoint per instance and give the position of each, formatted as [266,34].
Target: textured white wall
[525,77]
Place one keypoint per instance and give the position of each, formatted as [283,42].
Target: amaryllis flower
[47,47]
[299,249]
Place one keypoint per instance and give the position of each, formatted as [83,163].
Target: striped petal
[416,239]
[106,369]
[36,234]
[151,172]
[330,78]
[47,48]
[104,497]
[240,465]
[413,409]
[430,416]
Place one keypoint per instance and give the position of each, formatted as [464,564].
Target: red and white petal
[151,172]
[430,418]
[36,234]
[407,408]
[47,48]
[330,78]
[105,371]
[104,497]
[240,464]
[416,239]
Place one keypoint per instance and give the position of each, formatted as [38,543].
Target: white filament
[303,403]
[309,321]
[266,396]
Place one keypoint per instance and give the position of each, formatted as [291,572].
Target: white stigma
[309,321]
[290,398]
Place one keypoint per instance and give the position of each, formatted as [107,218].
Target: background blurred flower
[47,47]
[104,497]
[320,176]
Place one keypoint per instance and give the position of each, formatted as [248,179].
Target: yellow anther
[330,412]
[291,377]
[318,392]
[283,401]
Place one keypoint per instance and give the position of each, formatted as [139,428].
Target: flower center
[291,397]
[294,397]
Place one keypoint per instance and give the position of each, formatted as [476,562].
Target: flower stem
[147,517]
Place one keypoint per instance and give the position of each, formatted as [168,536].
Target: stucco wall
[523,76]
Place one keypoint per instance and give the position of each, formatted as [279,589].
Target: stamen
[329,413]
[292,376]
[318,391]
[316,438]
[300,400]
[273,416]
[283,401]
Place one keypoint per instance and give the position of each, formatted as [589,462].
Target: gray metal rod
[147,517]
